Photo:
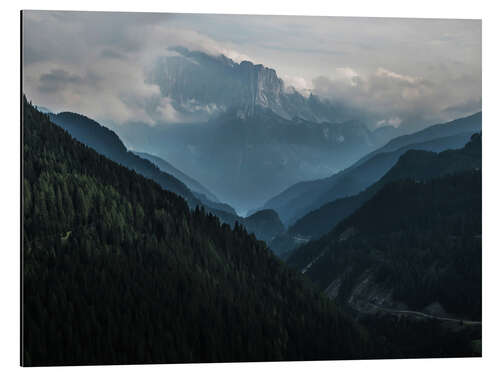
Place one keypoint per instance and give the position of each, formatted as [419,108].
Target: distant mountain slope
[471,123]
[414,164]
[246,160]
[414,245]
[266,223]
[118,270]
[301,198]
[166,167]
[106,142]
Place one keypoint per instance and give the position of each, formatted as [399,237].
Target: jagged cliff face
[197,82]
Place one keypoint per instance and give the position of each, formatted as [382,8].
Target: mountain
[459,126]
[304,197]
[243,132]
[246,160]
[166,167]
[107,143]
[415,245]
[43,109]
[201,84]
[416,164]
[266,225]
[118,270]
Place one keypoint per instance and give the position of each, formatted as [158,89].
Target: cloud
[167,111]
[384,97]
[393,121]
[381,72]
[415,70]
[97,63]
[299,84]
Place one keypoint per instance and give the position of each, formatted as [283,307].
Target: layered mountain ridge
[306,196]
[414,163]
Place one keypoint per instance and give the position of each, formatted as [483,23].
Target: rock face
[200,83]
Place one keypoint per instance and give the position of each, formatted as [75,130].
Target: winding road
[425,315]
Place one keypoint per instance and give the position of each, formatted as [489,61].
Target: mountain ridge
[416,164]
[306,196]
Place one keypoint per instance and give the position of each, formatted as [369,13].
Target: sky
[392,71]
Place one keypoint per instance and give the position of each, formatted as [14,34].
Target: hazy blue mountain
[107,143]
[190,182]
[471,123]
[246,160]
[414,164]
[301,198]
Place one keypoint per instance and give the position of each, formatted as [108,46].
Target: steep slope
[415,164]
[202,193]
[266,225]
[107,143]
[413,245]
[299,199]
[118,270]
[190,182]
[471,123]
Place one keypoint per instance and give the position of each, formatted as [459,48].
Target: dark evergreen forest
[119,271]
[421,238]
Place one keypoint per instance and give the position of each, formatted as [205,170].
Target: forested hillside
[300,199]
[117,270]
[414,164]
[107,143]
[414,242]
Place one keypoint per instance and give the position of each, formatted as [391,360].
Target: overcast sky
[403,72]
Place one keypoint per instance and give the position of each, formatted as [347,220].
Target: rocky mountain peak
[195,80]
